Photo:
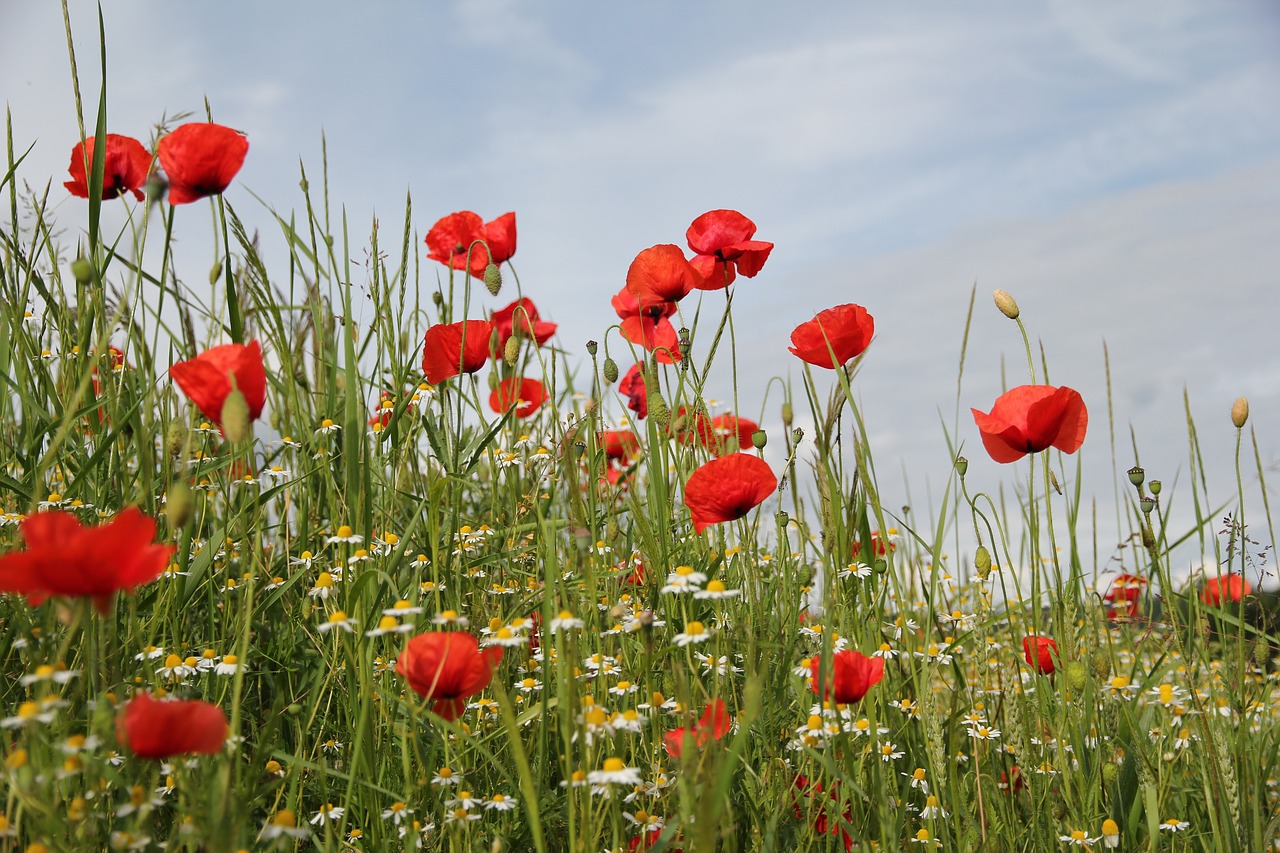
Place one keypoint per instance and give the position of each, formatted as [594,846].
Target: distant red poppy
[852,675]
[525,394]
[65,558]
[661,274]
[448,667]
[689,427]
[206,379]
[201,159]
[727,488]
[1041,654]
[1031,418]
[521,317]
[1124,593]
[453,348]
[648,839]
[732,433]
[844,330]
[722,240]
[714,724]
[125,167]
[618,444]
[632,387]
[464,234]
[818,803]
[1219,590]
[165,728]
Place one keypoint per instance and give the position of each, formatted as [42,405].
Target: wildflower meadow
[279,574]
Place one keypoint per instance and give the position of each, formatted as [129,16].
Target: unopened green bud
[1137,475]
[880,566]
[1240,412]
[1100,663]
[82,270]
[1154,486]
[1261,654]
[1077,675]
[962,466]
[437,298]
[1008,307]
[658,408]
[592,347]
[982,561]
[787,414]
[294,709]
[511,351]
[175,439]
[1110,773]
[179,504]
[759,439]
[610,370]
[494,381]
[235,417]
[215,272]
[492,279]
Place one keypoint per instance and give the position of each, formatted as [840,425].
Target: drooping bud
[658,408]
[1240,412]
[511,351]
[982,561]
[179,504]
[492,279]
[759,439]
[175,438]
[1100,663]
[82,270]
[1008,307]
[215,272]
[962,466]
[235,417]
[787,414]
[1077,675]
[610,370]
[1137,475]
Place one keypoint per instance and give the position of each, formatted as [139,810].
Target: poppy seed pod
[610,370]
[962,466]
[1240,412]
[1154,486]
[1137,475]
[1006,303]
[759,439]
[492,279]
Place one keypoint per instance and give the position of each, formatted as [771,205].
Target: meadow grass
[363,485]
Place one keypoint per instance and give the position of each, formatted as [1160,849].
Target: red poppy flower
[464,234]
[1125,592]
[163,729]
[619,444]
[64,557]
[713,725]
[1219,590]
[453,348]
[844,330]
[852,675]
[648,326]
[727,488]
[1014,773]
[206,379]
[632,387]
[201,159]
[732,433]
[661,274]
[817,801]
[521,317]
[689,427]
[1031,418]
[125,167]
[648,840]
[448,666]
[1041,654]
[525,394]
[722,240]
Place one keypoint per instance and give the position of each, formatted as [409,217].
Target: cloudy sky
[1115,166]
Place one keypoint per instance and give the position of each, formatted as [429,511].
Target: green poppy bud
[1007,305]
[1077,675]
[511,351]
[1110,773]
[179,504]
[235,417]
[982,561]
[82,270]
[658,408]
[215,272]
[787,414]
[175,439]
[1240,412]
[1100,663]
[492,279]
[610,370]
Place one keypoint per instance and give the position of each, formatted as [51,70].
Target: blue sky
[1115,166]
